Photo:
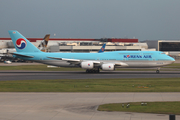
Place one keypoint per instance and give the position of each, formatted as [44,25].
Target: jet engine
[87,65]
[107,66]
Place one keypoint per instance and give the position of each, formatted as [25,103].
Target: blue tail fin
[21,43]
[102,48]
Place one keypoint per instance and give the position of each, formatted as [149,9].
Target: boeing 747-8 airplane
[92,62]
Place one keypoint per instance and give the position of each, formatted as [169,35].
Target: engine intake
[87,65]
[107,66]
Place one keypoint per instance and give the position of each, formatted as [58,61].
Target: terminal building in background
[82,45]
[170,47]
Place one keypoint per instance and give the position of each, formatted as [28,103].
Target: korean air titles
[137,56]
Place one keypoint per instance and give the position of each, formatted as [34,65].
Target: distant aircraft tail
[43,45]
[21,43]
[102,48]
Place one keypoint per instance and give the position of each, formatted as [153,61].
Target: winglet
[102,48]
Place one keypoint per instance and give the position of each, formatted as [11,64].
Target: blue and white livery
[21,43]
[92,62]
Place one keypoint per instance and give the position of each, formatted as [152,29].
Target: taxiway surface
[76,106]
[41,75]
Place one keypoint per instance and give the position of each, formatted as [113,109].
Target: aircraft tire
[157,71]
[92,71]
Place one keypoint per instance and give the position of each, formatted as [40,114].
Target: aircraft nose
[172,59]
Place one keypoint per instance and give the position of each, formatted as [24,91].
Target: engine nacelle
[87,65]
[107,66]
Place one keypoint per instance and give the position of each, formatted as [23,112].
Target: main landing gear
[92,71]
[158,70]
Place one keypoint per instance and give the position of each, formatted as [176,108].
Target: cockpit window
[162,53]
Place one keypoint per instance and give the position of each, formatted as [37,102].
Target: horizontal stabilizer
[21,55]
[55,58]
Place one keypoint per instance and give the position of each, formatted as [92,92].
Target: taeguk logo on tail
[21,43]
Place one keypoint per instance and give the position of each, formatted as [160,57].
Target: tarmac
[77,106]
[49,75]
[41,75]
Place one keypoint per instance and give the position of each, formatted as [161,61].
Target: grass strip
[151,107]
[93,85]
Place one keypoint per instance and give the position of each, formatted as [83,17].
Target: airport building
[164,45]
[170,47]
[82,45]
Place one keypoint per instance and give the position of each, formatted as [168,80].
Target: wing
[96,63]
[73,61]
[121,64]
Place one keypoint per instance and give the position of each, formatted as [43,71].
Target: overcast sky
[142,19]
